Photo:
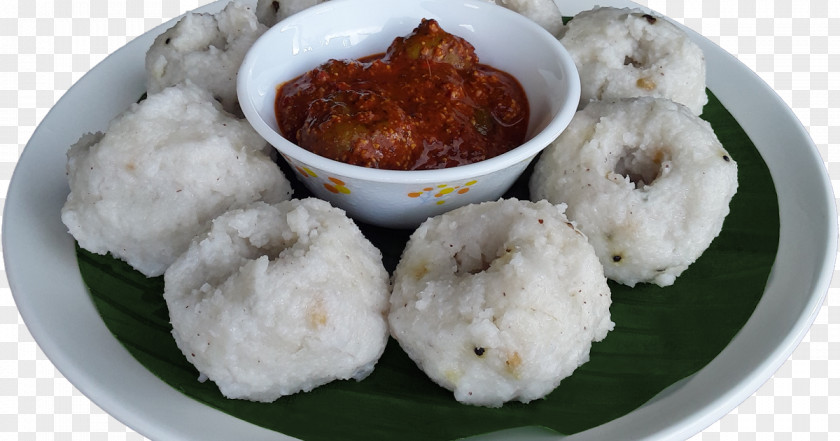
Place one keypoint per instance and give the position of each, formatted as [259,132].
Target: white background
[793,45]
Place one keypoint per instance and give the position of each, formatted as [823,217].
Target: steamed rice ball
[163,168]
[278,299]
[270,12]
[646,180]
[544,12]
[625,53]
[206,49]
[499,301]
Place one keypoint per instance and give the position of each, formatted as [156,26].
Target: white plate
[45,281]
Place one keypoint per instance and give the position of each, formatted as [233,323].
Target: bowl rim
[525,151]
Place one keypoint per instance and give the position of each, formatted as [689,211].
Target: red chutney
[426,103]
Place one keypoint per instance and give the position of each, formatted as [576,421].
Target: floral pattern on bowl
[440,193]
[332,184]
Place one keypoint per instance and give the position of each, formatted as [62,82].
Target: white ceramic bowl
[350,29]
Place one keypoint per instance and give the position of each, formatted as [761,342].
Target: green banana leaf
[661,335]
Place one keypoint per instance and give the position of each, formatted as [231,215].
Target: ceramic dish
[357,28]
[45,280]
